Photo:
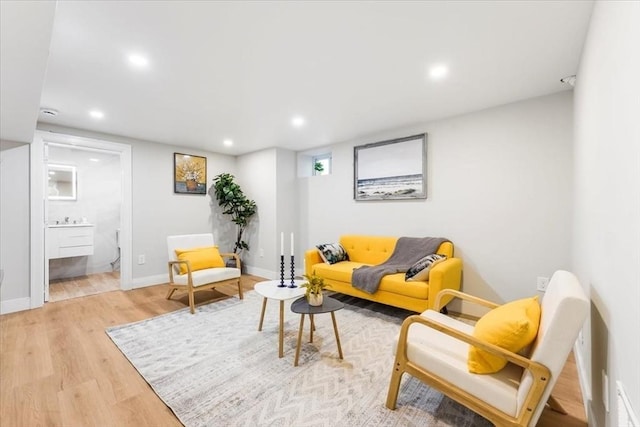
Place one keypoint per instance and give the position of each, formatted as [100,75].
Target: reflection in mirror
[62,182]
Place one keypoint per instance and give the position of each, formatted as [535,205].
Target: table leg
[295,361]
[335,329]
[264,306]
[281,331]
[313,326]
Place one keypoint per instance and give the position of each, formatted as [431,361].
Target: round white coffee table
[270,290]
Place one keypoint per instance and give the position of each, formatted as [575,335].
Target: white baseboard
[143,282]
[584,383]
[270,274]
[256,271]
[159,279]
[14,305]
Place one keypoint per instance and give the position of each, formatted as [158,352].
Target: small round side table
[302,307]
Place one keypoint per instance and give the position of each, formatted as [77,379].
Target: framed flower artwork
[189,174]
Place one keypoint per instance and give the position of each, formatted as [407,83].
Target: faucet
[66,220]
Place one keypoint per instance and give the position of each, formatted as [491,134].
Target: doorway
[84,195]
[100,207]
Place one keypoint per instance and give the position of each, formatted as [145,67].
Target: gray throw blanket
[408,251]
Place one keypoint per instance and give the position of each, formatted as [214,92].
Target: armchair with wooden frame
[433,348]
[192,280]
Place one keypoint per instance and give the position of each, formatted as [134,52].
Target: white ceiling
[241,70]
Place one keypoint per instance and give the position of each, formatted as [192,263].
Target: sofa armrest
[444,275]
[311,257]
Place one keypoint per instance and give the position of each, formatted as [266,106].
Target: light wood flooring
[58,367]
[62,289]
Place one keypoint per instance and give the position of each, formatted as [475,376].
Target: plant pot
[315,299]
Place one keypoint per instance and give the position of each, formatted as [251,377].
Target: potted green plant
[315,285]
[233,202]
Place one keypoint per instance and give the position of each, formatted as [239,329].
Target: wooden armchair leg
[240,289]
[556,406]
[192,301]
[171,291]
[394,386]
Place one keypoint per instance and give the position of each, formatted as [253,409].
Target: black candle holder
[292,285]
[282,285]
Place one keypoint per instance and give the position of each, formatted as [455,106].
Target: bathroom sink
[71,225]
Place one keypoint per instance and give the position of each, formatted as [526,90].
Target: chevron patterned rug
[214,368]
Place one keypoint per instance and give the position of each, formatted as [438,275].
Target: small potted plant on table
[315,286]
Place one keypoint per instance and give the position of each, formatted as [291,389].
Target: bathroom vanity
[69,240]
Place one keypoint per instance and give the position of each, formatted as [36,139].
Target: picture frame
[189,174]
[395,169]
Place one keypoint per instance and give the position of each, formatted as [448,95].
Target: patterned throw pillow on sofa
[420,270]
[332,253]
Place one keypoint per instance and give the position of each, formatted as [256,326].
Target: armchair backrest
[186,241]
[564,309]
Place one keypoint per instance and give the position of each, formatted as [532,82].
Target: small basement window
[321,165]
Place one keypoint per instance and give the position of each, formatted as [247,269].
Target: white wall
[269,178]
[606,237]
[499,186]
[287,200]
[159,212]
[14,226]
[257,176]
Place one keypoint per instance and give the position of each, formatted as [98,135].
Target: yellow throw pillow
[200,258]
[512,326]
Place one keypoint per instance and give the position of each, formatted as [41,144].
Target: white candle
[291,243]
[282,243]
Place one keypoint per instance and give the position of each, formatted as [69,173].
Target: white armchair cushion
[210,275]
[446,357]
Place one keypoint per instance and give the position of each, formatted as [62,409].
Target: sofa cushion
[420,270]
[332,253]
[340,271]
[370,250]
[206,276]
[512,326]
[394,283]
[200,258]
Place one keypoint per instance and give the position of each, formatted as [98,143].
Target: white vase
[315,299]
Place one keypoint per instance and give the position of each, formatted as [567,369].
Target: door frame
[39,201]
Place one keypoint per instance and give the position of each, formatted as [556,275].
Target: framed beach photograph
[391,170]
[189,174]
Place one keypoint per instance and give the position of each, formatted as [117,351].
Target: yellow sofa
[394,290]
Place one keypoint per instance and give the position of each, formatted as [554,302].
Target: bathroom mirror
[62,182]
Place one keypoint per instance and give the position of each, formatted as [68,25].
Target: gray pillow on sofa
[332,252]
[420,270]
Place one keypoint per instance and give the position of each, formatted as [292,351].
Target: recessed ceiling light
[438,71]
[52,172]
[227,142]
[94,160]
[96,114]
[298,121]
[138,61]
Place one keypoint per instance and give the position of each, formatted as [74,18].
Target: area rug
[214,368]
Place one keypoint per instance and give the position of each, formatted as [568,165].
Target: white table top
[269,289]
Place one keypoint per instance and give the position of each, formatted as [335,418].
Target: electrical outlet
[141,259]
[581,338]
[542,283]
